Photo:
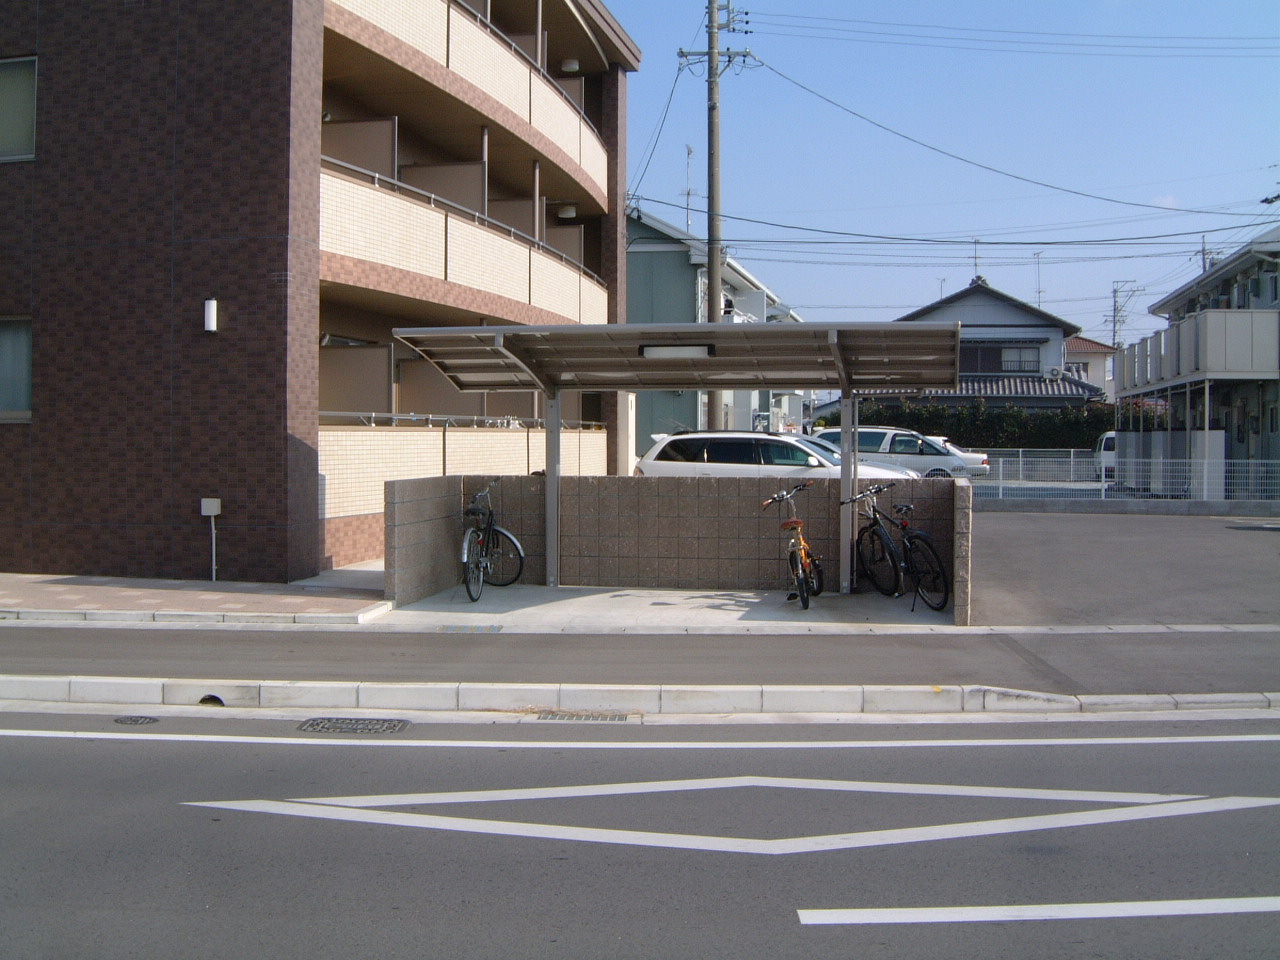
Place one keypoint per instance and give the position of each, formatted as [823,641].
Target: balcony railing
[1214,344]
[392,223]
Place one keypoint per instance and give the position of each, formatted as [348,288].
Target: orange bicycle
[805,567]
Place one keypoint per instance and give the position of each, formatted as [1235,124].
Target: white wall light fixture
[211,315]
[566,211]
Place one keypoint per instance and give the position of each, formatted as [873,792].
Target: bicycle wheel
[802,582]
[506,562]
[816,582]
[878,560]
[472,569]
[926,569]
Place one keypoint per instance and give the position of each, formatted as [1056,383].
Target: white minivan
[906,448]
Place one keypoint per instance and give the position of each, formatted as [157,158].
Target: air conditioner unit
[1055,373]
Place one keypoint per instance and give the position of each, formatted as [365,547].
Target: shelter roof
[861,358]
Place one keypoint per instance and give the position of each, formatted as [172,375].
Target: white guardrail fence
[1076,475]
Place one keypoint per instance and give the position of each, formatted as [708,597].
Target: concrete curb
[605,698]
[364,615]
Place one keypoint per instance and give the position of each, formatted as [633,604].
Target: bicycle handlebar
[782,495]
[870,492]
[483,493]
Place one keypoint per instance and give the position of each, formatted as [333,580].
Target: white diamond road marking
[1131,807]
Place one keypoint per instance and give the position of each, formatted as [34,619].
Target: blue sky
[1155,103]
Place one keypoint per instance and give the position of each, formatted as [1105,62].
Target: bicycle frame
[805,567]
[478,568]
[912,557]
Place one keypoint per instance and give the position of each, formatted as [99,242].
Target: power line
[966,242]
[1031,33]
[944,44]
[1015,41]
[983,166]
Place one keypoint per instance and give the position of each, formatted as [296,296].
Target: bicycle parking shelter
[857,359]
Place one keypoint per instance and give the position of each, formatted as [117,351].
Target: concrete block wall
[711,532]
[660,532]
[423,527]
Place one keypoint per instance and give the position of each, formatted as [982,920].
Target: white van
[1104,457]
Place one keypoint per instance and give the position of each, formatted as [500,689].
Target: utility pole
[715,245]
[1117,308]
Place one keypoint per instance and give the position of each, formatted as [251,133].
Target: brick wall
[177,159]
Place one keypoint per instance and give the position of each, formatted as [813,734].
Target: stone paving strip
[572,698]
[358,612]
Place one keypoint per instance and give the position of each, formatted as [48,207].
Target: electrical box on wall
[210,507]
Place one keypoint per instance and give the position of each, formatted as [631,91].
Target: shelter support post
[553,489]
[848,486]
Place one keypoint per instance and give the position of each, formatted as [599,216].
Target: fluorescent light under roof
[691,351]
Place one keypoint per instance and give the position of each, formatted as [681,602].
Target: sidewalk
[1073,614]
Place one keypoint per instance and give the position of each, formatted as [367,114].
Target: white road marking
[360,810]
[1043,911]
[721,783]
[639,744]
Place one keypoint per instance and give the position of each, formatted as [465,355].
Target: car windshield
[822,447]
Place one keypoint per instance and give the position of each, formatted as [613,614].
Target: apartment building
[218,210]
[1215,369]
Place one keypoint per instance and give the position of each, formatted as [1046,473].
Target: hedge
[978,425]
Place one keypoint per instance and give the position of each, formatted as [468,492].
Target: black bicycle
[881,561]
[490,554]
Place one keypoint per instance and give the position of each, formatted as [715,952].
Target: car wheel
[937,474]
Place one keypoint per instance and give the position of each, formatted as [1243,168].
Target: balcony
[1212,345]
[416,35]
[379,223]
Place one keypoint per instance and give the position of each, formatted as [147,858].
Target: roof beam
[520,357]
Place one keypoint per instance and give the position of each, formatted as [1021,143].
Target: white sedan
[976,464]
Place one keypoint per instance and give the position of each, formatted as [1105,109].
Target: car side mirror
[812,461]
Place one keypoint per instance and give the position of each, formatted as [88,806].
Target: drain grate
[136,721]
[352,725]
[585,717]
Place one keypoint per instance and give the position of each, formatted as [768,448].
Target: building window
[1019,360]
[15,368]
[18,109]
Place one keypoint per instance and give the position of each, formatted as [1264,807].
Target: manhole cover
[585,717]
[352,725]
[136,721]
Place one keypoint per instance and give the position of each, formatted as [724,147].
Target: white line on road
[789,845]
[1043,911]
[642,744]
[723,783]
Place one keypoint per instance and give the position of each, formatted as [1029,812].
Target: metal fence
[1076,475]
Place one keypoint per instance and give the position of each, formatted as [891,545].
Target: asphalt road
[1055,569]
[1110,661]
[232,839]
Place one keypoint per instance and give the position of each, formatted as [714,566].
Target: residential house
[217,214]
[1216,368]
[666,283]
[1091,361]
[1011,353]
